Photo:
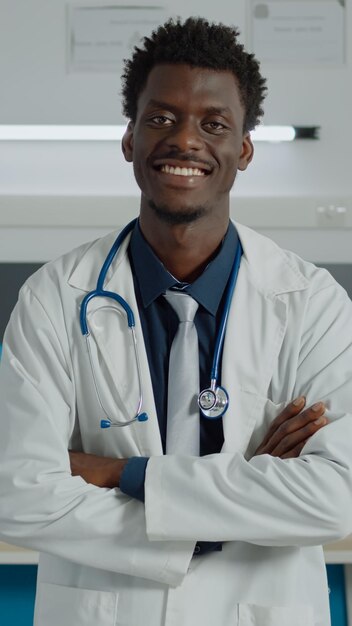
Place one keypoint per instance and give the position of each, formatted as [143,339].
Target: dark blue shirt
[159,324]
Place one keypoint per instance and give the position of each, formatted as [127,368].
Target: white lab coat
[110,560]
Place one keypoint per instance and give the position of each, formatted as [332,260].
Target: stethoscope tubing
[221,335]
[100,292]
[112,253]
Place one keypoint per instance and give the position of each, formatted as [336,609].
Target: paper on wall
[300,31]
[100,37]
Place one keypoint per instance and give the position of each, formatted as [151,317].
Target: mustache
[182,156]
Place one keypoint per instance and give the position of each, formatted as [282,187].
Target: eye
[215,127]
[160,120]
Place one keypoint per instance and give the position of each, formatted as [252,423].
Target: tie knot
[184,305]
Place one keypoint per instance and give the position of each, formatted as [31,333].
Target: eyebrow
[158,103]
[211,110]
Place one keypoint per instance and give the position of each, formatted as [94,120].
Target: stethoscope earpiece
[141,417]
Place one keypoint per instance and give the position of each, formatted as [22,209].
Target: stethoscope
[214,401]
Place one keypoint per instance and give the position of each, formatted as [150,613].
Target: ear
[246,153]
[127,143]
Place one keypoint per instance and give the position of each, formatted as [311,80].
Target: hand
[97,470]
[290,430]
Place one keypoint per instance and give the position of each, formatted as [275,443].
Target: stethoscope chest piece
[213,402]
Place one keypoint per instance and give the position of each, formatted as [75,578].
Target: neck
[184,249]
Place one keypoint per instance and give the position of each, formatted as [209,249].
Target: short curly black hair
[197,43]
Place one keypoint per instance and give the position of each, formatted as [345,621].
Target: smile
[181,171]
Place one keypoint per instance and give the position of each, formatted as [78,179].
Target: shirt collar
[154,279]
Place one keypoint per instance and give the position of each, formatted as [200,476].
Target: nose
[185,136]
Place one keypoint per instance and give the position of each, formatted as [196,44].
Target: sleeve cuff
[133,477]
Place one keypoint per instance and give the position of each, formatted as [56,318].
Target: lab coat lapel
[254,335]
[113,344]
[253,339]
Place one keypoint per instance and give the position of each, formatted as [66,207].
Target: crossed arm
[287,435]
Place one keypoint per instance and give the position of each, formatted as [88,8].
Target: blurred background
[60,66]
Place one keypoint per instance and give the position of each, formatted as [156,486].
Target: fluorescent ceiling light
[115,133]
[273,133]
[61,133]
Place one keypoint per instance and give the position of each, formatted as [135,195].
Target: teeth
[181,171]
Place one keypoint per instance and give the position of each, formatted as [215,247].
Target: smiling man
[186,144]
[180,514]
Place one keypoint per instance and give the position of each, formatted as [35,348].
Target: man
[231,536]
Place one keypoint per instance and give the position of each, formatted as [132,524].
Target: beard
[181,216]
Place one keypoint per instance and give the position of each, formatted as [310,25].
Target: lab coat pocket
[256,615]
[57,605]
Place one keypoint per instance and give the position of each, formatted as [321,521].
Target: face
[187,142]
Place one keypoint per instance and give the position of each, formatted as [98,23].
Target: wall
[36,88]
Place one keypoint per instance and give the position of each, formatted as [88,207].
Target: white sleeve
[266,500]
[43,506]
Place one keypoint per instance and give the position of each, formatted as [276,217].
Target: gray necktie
[183,387]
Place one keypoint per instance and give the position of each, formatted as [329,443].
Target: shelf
[12,555]
[268,212]
[340,552]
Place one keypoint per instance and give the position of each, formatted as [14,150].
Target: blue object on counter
[337,597]
[17,591]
